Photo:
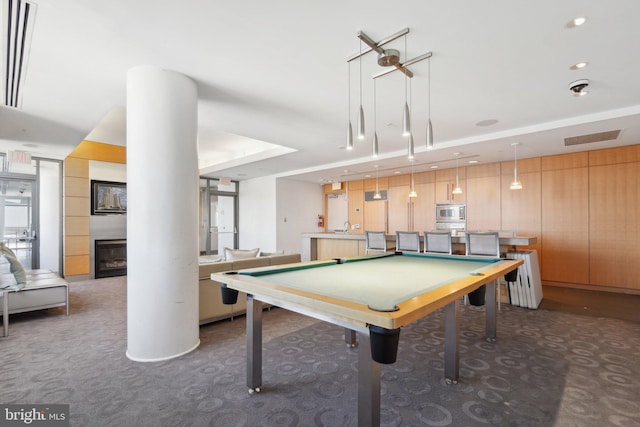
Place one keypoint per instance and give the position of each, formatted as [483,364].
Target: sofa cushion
[233,254]
[208,259]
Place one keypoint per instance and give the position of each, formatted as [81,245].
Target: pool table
[373,296]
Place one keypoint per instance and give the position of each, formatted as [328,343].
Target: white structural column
[162,215]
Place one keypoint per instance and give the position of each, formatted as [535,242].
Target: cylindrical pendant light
[361,111]
[377,195]
[457,189]
[375,121]
[349,129]
[516,184]
[429,127]
[410,148]
[412,193]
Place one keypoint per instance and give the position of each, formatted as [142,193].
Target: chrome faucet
[347,226]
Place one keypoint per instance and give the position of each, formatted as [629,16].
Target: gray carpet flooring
[547,368]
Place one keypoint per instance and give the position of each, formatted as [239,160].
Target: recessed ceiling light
[434,167]
[397,172]
[579,65]
[367,176]
[488,122]
[577,22]
[473,161]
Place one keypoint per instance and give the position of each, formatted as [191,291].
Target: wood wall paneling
[336,248]
[614,204]
[565,220]
[375,215]
[76,265]
[356,206]
[76,245]
[521,209]
[484,203]
[612,156]
[76,226]
[424,212]
[398,180]
[76,167]
[77,206]
[76,187]
[398,208]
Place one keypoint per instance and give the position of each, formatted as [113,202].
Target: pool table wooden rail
[357,315]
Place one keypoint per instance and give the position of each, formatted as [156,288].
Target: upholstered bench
[43,289]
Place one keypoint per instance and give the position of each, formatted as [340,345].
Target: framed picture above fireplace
[108,198]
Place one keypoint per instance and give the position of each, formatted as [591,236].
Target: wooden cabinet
[483,197]
[446,182]
[399,208]
[565,218]
[424,209]
[413,214]
[614,230]
[375,215]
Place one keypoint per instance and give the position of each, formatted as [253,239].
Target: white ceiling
[272,79]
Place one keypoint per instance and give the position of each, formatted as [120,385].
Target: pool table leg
[350,337]
[254,344]
[368,384]
[451,339]
[490,307]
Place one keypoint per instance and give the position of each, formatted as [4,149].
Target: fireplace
[110,258]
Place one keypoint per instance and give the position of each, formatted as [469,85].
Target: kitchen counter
[340,244]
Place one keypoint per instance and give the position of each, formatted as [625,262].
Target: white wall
[257,214]
[274,212]
[297,208]
[49,233]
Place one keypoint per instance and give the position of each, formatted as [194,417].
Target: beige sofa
[211,307]
[43,289]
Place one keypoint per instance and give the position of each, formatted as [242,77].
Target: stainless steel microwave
[451,212]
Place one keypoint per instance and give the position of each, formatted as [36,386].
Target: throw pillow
[7,280]
[17,270]
[4,249]
[232,254]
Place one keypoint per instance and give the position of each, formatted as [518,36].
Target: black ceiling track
[18,20]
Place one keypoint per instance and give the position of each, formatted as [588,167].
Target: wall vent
[593,137]
[16,29]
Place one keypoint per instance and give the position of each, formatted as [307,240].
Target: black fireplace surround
[110,258]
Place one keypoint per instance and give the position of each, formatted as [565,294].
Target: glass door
[18,209]
[218,216]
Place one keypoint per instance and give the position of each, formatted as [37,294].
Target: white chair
[437,242]
[407,241]
[485,244]
[376,241]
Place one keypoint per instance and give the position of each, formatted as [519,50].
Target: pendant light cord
[360,62]
[349,87]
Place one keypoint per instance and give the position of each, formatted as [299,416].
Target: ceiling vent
[593,137]
[17,27]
